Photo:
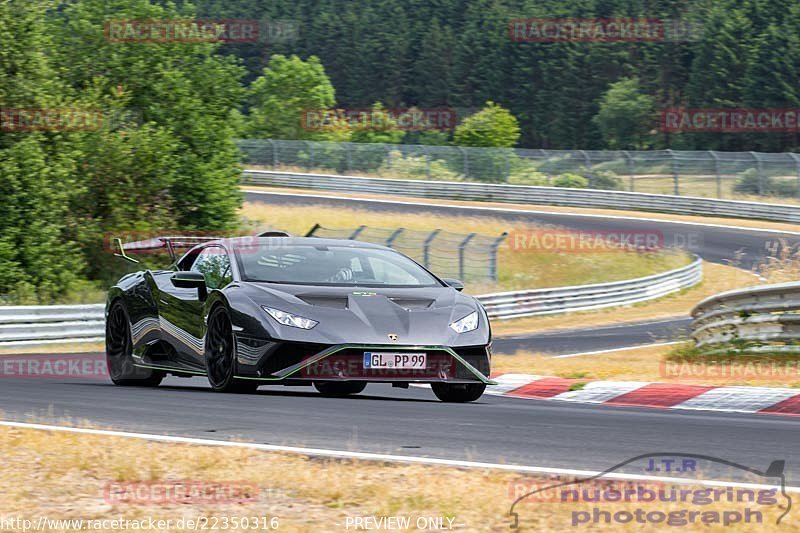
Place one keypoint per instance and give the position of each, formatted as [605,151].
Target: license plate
[394,360]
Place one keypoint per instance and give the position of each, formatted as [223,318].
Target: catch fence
[466,256]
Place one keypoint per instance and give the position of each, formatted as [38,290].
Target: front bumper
[280,361]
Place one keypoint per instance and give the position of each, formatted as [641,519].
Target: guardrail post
[676,187]
[588,163]
[493,255]
[716,172]
[310,155]
[388,156]
[796,160]
[465,165]
[629,166]
[274,153]
[760,171]
[314,228]
[426,248]
[393,236]
[461,249]
[356,233]
[427,162]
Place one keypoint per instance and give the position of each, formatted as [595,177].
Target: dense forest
[458,53]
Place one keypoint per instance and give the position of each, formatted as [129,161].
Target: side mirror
[189,279]
[457,284]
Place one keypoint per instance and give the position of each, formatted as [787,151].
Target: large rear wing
[171,244]
[157,244]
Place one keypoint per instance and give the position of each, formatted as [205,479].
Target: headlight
[468,323]
[288,319]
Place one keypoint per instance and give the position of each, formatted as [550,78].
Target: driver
[343,273]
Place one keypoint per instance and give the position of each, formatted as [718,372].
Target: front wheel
[458,392]
[119,350]
[220,355]
[339,389]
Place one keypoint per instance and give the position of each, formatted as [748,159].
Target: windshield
[332,265]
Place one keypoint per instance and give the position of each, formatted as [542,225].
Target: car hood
[365,315]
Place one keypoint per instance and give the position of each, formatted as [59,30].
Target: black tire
[119,350]
[339,389]
[220,356]
[458,392]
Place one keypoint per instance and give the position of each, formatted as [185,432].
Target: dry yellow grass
[55,348]
[649,363]
[517,269]
[723,221]
[641,364]
[716,279]
[782,267]
[64,476]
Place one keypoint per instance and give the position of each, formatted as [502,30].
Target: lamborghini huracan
[335,314]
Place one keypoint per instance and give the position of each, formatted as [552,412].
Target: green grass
[739,352]
[87,293]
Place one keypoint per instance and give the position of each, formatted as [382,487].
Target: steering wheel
[344,274]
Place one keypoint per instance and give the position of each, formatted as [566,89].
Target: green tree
[492,126]
[38,261]
[288,95]
[178,92]
[377,126]
[625,116]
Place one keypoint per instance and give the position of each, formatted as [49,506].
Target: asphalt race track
[411,422]
[573,341]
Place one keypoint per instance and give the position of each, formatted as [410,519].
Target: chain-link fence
[686,173]
[468,257]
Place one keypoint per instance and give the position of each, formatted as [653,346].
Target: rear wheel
[119,350]
[458,392]
[220,357]
[339,389]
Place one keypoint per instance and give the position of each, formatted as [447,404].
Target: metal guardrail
[679,172]
[527,194]
[43,324]
[763,318]
[534,302]
[22,325]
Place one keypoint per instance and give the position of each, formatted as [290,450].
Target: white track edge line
[340,454]
[532,211]
[624,348]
